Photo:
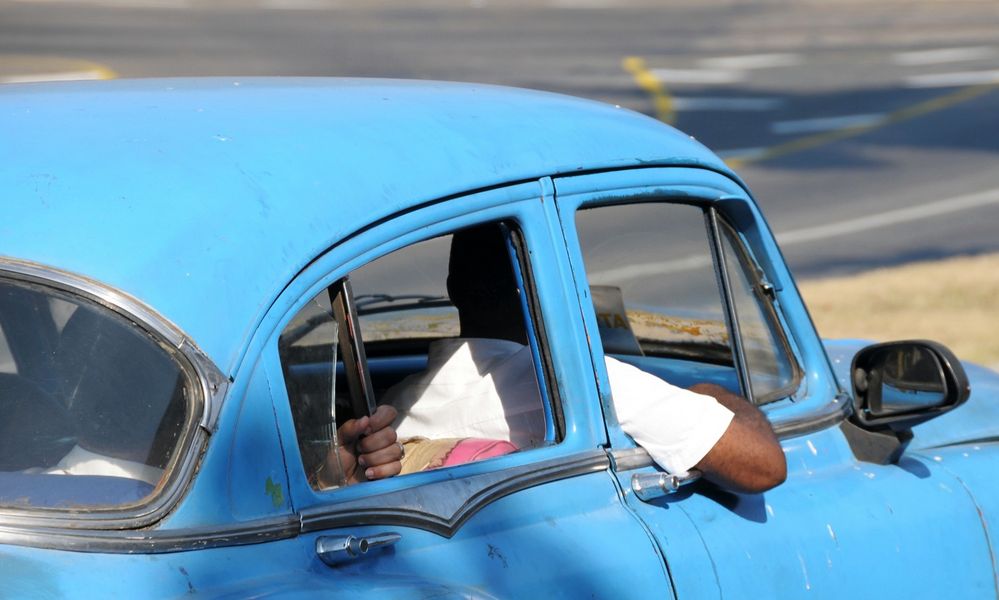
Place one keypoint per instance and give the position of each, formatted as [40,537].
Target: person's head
[482,285]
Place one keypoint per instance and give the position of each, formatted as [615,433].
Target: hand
[368,450]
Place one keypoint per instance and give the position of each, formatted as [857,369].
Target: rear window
[93,409]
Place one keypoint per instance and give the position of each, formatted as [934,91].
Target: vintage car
[201,279]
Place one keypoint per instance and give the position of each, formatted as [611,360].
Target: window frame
[515,204]
[765,301]
[205,382]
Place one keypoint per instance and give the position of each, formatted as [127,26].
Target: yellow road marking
[902,114]
[646,79]
[664,111]
[28,69]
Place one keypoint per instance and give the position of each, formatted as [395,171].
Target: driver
[483,385]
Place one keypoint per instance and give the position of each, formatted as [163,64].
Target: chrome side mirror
[898,385]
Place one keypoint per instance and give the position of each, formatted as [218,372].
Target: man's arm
[748,457]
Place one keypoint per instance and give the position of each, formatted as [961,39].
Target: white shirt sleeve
[676,427]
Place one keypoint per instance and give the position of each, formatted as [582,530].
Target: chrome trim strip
[152,541]
[627,459]
[206,375]
[829,415]
[443,507]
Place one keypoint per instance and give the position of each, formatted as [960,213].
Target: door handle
[649,486]
[336,549]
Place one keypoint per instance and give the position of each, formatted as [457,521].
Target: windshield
[92,408]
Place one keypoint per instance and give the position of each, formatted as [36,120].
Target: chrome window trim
[152,541]
[442,507]
[828,415]
[205,376]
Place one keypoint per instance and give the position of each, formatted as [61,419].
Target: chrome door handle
[336,549]
[649,486]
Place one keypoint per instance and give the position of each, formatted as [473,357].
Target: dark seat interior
[124,394]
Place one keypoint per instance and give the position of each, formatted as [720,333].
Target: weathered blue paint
[204,197]
[225,205]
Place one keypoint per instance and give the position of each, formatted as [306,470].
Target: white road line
[825,123]
[891,217]
[727,104]
[117,3]
[952,79]
[811,234]
[942,55]
[639,270]
[60,76]
[742,153]
[297,4]
[751,61]
[703,76]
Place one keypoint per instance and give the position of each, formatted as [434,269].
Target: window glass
[654,261]
[771,370]
[445,338]
[657,298]
[93,408]
[308,347]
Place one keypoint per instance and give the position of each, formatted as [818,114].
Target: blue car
[202,280]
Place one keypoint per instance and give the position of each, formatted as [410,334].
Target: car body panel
[232,155]
[225,205]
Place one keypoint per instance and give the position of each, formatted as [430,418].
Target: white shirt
[488,388]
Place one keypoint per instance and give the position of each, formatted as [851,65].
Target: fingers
[353,429]
[382,417]
[383,438]
[385,462]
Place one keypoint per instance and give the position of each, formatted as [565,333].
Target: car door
[699,293]
[546,520]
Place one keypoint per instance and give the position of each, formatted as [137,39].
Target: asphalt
[863,127]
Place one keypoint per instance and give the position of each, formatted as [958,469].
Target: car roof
[204,197]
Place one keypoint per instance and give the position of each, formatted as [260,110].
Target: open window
[446,331]
[677,294]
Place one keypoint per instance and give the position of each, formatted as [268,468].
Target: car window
[93,408]
[398,331]
[659,304]
[772,371]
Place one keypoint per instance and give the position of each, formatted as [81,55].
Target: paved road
[868,130]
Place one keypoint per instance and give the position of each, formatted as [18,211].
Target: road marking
[942,55]
[63,76]
[661,101]
[743,154]
[891,217]
[903,114]
[701,76]
[27,68]
[809,234]
[296,4]
[639,270]
[117,3]
[952,79]
[751,61]
[825,123]
[727,104]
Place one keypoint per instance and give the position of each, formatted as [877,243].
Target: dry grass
[953,301]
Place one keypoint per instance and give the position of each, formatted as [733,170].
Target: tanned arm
[748,458]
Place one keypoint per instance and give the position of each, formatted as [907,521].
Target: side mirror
[898,385]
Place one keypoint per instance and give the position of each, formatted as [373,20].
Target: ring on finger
[402,450]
